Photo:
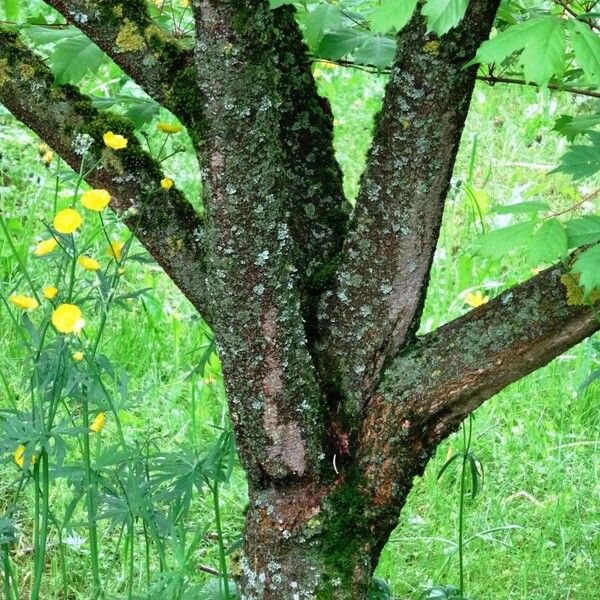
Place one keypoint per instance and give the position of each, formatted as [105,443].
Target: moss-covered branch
[163,220]
[429,390]
[151,56]
[318,211]
[377,297]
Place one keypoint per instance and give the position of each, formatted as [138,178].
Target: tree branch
[428,391]
[151,56]
[377,297]
[274,397]
[162,220]
[318,211]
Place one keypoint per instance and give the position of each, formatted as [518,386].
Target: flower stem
[91,501]
[222,558]
[41,535]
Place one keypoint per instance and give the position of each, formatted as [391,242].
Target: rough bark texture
[334,417]
[252,257]
[376,300]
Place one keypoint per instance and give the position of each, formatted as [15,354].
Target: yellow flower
[67,318]
[115,249]
[50,292]
[67,220]
[185,3]
[78,356]
[169,128]
[24,302]
[20,455]
[43,148]
[95,199]
[166,183]
[475,299]
[97,425]
[114,140]
[88,263]
[45,247]
[47,157]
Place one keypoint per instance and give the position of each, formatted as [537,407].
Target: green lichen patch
[130,38]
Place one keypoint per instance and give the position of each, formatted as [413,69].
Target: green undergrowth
[533,531]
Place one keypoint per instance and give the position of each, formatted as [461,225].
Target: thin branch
[318,211]
[375,303]
[491,79]
[162,220]
[428,391]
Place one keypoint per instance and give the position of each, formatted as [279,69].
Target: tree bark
[334,416]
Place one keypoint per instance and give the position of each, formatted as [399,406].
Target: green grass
[538,440]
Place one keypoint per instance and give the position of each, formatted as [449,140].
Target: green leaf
[499,242]
[11,9]
[325,17]
[548,243]
[337,44]
[584,230]
[581,161]
[519,208]
[588,267]
[571,127]
[392,14]
[378,52]
[41,35]
[586,45]
[542,41]
[74,57]
[443,15]
[277,3]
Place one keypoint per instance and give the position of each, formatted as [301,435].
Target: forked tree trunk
[336,405]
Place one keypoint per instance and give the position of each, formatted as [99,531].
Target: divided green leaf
[581,160]
[586,45]
[541,41]
[584,230]
[548,243]
[499,242]
[588,267]
[443,15]
[392,14]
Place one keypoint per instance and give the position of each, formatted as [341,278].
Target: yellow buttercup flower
[169,128]
[115,249]
[97,425]
[185,3]
[23,302]
[78,356]
[114,140]
[20,455]
[47,157]
[50,292]
[166,183]
[45,247]
[95,199]
[88,263]
[67,318]
[67,220]
[475,300]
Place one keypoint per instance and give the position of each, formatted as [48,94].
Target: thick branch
[162,220]
[318,211]
[378,293]
[274,397]
[152,57]
[427,392]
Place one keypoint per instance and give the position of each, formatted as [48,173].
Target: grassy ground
[534,529]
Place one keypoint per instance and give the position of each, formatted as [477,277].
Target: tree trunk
[335,404]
